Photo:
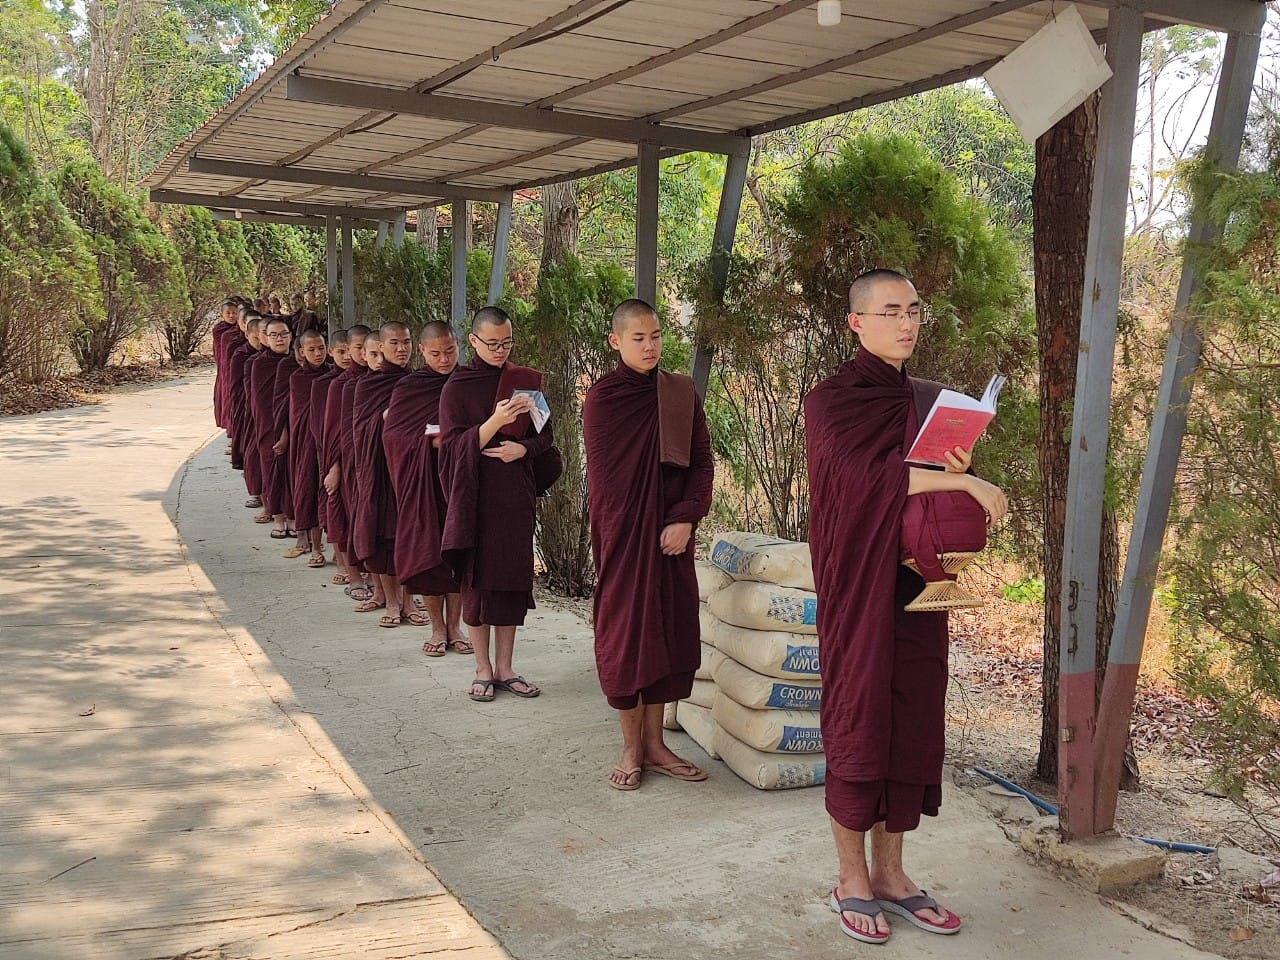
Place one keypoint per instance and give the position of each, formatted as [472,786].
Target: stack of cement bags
[760,645]
[694,715]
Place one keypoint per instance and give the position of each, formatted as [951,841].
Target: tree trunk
[110,50]
[428,236]
[559,222]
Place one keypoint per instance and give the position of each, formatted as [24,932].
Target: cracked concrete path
[161,792]
[187,758]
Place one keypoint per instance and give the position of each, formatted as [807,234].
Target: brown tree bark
[111,31]
[428,235]
[559,222]
[1060,201]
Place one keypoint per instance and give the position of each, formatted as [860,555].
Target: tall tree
[559,222]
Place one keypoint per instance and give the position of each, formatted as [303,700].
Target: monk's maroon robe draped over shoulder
[280,405]
[646,603]
[373,522]
[223,343]
[319,398]
[489,549]
[237,403]
[413,462]
[344,506]
[334,517]
[304,320]
[884,671]
[262,396]
[303,475]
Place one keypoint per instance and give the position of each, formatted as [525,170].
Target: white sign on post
[1049,75]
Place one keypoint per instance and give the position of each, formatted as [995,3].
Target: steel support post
[458,311]
[397,228]
[647,223]
[1155,494]
[331,270]
[348,276]
[735,179]
[501,240]
[1091,424]
[381,239]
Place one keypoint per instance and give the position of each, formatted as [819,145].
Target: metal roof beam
[466,110]
[250,216]
[215,202]
[1232,16]
[427,189]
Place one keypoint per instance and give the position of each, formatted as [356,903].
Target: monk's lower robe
[262,393]
[414,465]
[884,671]
[241,424]
[303,469]
[282,479]
[347,490]
[226,337]
[319,401]
[488,532]
[334,519]
[373,521]
[648,465]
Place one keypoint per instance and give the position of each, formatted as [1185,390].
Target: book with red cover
[955,420]
[515,377]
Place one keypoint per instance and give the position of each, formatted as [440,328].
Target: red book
[955,420]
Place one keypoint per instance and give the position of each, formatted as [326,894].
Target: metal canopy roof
[387,105]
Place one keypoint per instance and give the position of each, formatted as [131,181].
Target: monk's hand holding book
[955,420]
[959,460]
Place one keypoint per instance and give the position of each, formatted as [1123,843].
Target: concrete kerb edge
[276,687]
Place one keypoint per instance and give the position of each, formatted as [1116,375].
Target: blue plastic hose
[1048,808]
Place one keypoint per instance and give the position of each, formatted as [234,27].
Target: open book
[955,420]
[540,413]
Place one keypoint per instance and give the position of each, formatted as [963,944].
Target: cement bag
[669,721]
[699,725]
[704,693]
[773,731]
[710,657]
[710,579]
[753,556]
[758,692]
[770,771]
[766,606]
[788,656]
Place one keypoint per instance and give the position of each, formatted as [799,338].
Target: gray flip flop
[868,908]
[906,909]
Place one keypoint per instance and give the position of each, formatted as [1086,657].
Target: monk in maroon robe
[253,472]
[304,469]
[487,445]
[280,406]
[339,360]
[302,319]
[237,392]
[270,431]
[373,523]
[411,439]
[649,477]
[225,326]
[339,468]
[884,671]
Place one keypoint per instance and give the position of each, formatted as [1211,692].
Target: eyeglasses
[497,346]
[278,335]
[917,315]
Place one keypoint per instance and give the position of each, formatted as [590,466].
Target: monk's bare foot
[876,926]
[898,886]
[458,643]
[626,775]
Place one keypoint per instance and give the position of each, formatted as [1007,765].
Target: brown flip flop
[626,783]
[669,770]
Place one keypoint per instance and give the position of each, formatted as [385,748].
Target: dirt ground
[79,389]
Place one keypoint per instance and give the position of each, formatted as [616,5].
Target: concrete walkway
[257,750]
[161,795]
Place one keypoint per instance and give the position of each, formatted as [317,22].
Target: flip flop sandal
[368,606]
[669,770]
[317,561]
[419,619]
[626,783]
[360,593]
[906,909]
[261,519]
[389,621]
[868,908]
[294,552]
[340,579]
[433,649]
[460,646]
[253,503]
[486,691]
[507,685]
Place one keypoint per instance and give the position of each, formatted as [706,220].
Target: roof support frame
[330,268]
[468,110]
[501,241]
[348,276]
[1228,16]
[726,229]
[216,202]
[461,214]
[646,264]
[1155,494]
[1091,423]
[428,189]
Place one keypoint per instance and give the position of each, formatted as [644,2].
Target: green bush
[47,277]
[139,273]
[287,259]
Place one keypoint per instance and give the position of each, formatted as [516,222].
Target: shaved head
[436,330]
[308,336]
[393,327]
[339,336]
[863,287]
[358,330]
[629,310]
[493,316]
